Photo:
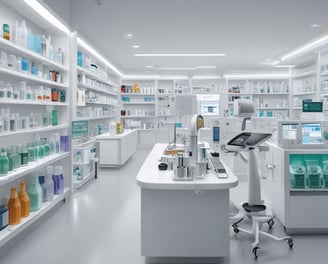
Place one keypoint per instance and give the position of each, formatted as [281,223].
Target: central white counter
[183,218]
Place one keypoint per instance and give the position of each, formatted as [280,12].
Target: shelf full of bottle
[37,194]
[305,86]
[83,163]
[24,93]
[89,113]
[85,97]
[139,124]
[31,152]
[138,88]
[145,99]
[90,72]
[249,87]
[93,84]
[18,39]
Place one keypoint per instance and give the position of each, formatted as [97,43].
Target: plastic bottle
[14,207]
[23,35]
[4,162]
[3,216]
[35,193]
[24,155]
[24,200]
[6,31]
[58,179]
[46,146]
[40,150]
[48,187]
[30,152]
[11,159]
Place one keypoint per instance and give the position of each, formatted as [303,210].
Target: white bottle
[23,36]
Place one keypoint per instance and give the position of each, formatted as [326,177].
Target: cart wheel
[271,223]
[290,243]
[236,230]
[255,249]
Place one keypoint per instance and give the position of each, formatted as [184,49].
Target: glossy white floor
[101,224]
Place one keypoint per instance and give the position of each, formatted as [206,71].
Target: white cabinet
[34,103]
[293,203]
[115,150]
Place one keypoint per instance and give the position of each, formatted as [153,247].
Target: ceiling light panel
[179,54]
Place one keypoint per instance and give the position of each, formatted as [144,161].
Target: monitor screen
[311,133]
[312,107]
[289,131]
[216,134]
[209,108]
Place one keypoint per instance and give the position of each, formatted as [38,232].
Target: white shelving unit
[139,103]
[270,96]
[96,100]
[304,81]
[30,102]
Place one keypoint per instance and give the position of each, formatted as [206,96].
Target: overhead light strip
[46,14]
[284,66]
[305,48]
[85,45]
[179,54]
[257,76]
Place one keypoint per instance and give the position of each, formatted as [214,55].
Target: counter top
[108,136]
[150,177]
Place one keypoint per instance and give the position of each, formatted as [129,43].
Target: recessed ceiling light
[128,36]
[149,67]
[179,54]
[315,26]
[136,46]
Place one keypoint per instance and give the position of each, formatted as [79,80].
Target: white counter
[115,150]
[183,218]
[149,176]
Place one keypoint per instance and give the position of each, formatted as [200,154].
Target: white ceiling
[248,31]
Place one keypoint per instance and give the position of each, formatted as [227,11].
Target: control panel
[303,134]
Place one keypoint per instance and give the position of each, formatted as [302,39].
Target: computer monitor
[209,108]
[289,131]
[311,133]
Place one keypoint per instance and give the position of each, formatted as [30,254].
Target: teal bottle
[11,160]
[40,150]
[24,155]
[35,194]
[35,147]
[4,162]
[46,146]
[30,152]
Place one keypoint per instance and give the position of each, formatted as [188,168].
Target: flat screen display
[312,107]
[289,131]
[209,108]
[216,134]
[311,133]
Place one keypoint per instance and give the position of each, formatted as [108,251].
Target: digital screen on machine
[311,134]
[216,134]
[209,108]
[289,131]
